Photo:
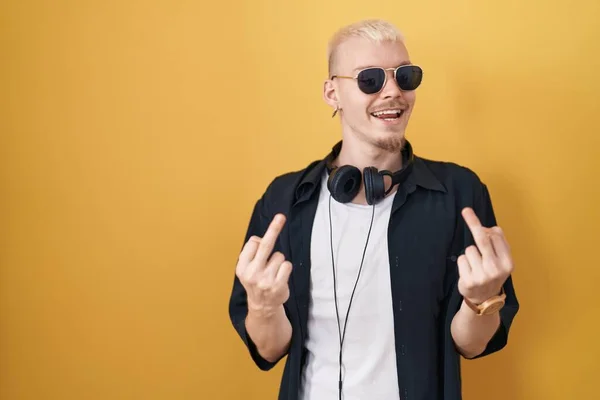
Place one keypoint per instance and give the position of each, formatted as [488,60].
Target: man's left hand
[485,266]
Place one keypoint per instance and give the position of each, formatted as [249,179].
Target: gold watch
[490,306]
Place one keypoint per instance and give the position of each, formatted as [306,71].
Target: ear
[330,94]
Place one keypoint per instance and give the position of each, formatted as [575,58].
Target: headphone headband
[407,160]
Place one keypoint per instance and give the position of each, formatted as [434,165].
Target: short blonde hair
[376,30]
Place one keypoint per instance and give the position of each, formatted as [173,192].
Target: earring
[336,110]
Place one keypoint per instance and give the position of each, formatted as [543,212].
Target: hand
[264,276]
[485,266]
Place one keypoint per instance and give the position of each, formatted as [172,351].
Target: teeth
[387,112]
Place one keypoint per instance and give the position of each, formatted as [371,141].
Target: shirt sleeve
[485,212]
[238,306]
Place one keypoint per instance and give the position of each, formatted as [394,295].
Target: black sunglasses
[372,80]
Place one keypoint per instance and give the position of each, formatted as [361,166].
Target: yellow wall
[129,163]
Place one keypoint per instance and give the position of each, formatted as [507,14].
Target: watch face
[493,308]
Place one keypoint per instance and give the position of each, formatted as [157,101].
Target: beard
[394,144]
[390,144]
[392,140]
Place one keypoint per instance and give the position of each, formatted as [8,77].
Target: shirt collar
[423,176]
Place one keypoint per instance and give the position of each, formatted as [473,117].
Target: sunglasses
[372,80]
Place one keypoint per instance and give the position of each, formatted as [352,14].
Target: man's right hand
[264,276]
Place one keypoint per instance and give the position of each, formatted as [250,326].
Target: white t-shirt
[369,356]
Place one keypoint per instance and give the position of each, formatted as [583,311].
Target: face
[360,113]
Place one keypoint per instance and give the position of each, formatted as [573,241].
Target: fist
[485,266]
[264,275]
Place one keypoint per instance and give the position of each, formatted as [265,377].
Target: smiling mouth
[388,115]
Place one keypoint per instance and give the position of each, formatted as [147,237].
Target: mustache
[388,105]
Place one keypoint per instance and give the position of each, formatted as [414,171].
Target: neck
[363,154]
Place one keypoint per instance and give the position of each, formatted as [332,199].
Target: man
[373,283]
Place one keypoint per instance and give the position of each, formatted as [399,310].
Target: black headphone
[344,181]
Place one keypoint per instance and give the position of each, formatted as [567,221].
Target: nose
[391,88]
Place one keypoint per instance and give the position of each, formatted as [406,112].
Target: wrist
[264,313]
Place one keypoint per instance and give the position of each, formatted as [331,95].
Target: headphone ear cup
[344,183]
[374,185]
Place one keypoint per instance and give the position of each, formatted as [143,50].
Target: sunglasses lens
[371,80]
[409,77]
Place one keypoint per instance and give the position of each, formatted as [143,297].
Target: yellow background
[136,136]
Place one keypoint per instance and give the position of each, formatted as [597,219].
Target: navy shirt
[426,235]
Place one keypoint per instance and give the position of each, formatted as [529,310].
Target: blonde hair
[376,30]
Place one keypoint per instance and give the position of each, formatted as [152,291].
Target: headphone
[344,181]
[344,184]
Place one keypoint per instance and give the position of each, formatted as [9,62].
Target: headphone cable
[343,335]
